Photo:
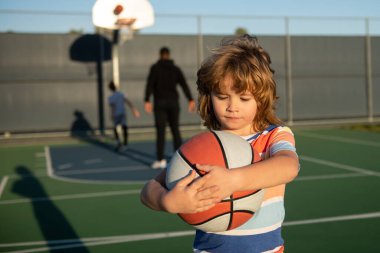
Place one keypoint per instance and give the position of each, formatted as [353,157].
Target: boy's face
[235,112]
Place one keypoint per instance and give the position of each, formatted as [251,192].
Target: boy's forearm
[152,195]
[277,170]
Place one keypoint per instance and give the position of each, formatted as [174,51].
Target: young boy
[237,93]
[119,117]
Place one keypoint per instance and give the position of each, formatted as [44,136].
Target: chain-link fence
[46,79]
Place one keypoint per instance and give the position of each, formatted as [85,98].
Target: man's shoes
[159,164]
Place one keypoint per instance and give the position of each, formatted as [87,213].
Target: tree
[241,31]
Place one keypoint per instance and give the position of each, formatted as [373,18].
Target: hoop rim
[125,22]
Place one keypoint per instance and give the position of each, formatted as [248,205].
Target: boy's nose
[233,106]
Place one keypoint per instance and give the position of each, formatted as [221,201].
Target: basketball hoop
[121,18]
[110,14]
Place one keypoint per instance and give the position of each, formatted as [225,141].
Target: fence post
[200,52]
[288,68]
[368,67]
[200,42]
[99,66]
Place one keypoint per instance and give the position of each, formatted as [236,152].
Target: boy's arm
[153,192]
[185,197]
[279,169]
[134,110]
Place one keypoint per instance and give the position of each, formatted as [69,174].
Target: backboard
[114,14]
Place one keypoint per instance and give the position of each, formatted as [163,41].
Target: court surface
[84,197]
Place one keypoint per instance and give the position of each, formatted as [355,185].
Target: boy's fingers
[188,179]
[208,194]
[198,183]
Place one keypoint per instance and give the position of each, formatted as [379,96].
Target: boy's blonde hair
[244,61]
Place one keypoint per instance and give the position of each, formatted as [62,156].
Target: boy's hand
[136,113]
[190,195]
[218,176]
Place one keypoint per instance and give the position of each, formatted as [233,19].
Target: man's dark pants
[166,111]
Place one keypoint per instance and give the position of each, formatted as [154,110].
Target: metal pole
[288,67]
[369,72]
[99,66]
[115,58]
[200,42]
[200,51]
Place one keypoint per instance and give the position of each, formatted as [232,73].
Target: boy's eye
[245,98]
[221,97]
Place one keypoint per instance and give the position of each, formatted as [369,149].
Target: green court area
[84,197]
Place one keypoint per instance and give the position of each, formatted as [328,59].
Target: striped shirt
[261,233]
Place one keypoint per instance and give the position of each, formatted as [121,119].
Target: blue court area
[97,161]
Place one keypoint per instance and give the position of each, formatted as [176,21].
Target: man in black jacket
[162,81]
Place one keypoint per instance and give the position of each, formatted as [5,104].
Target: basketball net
[125,29]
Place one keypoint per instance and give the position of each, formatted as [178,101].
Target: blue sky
[262,17]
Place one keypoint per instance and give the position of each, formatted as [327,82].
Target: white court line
[332,176]
[3,184]
[49,166]
[141,237]
[65,166]
[340,139]
[334,218]
[85,241]
[340,166]
[70,196]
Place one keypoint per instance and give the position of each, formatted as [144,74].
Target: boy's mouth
[232,117]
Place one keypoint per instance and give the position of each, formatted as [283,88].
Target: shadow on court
[81,127]
[53,224]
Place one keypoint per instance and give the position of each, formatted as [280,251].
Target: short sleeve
[282,139]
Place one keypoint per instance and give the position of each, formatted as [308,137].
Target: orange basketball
[118,9]
[222,149]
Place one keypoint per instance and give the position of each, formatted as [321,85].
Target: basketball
[118,9]
[225,150]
